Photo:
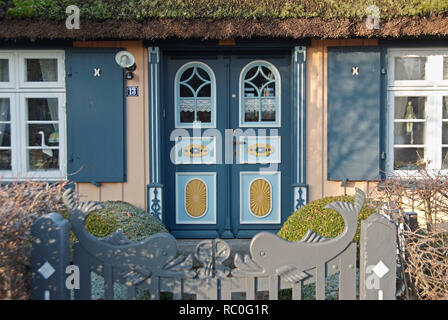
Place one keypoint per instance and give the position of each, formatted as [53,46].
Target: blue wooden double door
[227,143]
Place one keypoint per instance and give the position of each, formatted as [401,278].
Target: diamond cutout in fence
[380,269]
[46,270]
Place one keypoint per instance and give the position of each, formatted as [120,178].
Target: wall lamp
[126,60]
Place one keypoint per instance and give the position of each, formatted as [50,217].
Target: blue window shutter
[95,116]
[354,113]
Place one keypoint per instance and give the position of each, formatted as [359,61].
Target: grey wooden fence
[154,266]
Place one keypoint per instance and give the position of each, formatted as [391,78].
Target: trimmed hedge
[136,224]
[139,10]
[326,222]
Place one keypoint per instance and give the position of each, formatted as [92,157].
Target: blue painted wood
[196,230]
[282,62]
[383,115]
[50,256]
[354,110]
[247,46]
[95,116]
[301,196]
[227,70]
[155,114]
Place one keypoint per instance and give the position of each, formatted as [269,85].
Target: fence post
[50,256]
[378,254]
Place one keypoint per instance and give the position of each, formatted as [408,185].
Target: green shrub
[326,222]
[136,224]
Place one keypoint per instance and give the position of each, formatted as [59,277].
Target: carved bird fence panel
[153,269]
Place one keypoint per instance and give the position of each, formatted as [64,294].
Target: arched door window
[260,95]
[195,91]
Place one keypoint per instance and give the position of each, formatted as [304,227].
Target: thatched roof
[220,19]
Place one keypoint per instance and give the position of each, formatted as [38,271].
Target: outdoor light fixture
[126,61]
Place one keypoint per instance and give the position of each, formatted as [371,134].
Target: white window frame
[434,88]
[24,136]
[59,56]
[18,91]
[434,74]
[12,73]
[13,173]
[214,108]
[278,94]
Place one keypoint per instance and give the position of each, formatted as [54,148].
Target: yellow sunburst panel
[196,198]
[260,197]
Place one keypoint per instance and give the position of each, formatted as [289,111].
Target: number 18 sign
[132,91]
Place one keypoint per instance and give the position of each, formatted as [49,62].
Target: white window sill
[32,178]
[416,174]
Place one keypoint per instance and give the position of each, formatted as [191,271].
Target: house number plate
[132,91]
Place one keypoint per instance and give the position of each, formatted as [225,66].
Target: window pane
[204,116]
[204,109]
[409,133]
[268,90]
[203,74]
[251,108]
[43,159]
[42,109]
[259,77]
[5,159]
[251,73]
[445,133]
[195,93]
[445,107]
[4,110]
[5,127]
[205,91]
[409,158]
[5,135]
[4,70]
[187,107]
[249,90]
[186,116]
[444,158]
[195,83]
[41,70]
[445,68]
[268,107]
[260,102]
[186,74]
[407,68]
[410,107]
[41,135]
[186,91]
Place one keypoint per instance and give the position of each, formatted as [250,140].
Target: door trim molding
[300,187]
[155,188]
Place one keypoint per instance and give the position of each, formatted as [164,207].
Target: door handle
[235,143]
